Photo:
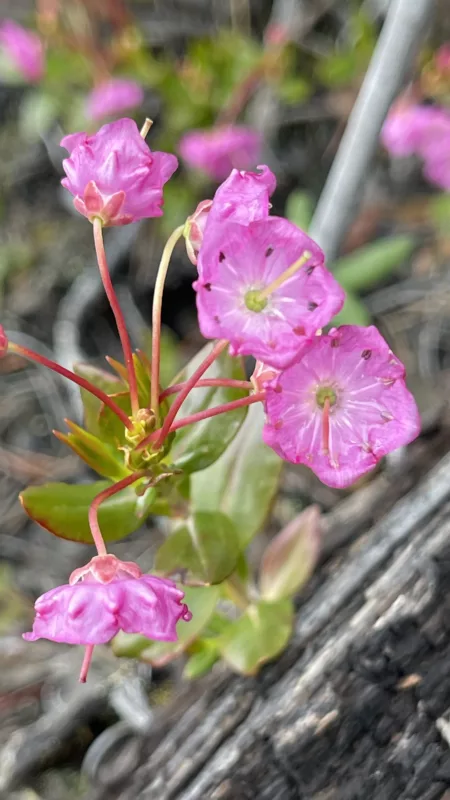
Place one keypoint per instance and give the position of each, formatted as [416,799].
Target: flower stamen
[288,273]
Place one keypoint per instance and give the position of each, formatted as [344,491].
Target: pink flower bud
[113,174]
[113,97]
[23,49]
[218,150]
[195,228]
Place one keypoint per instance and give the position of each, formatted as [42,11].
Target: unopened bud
[195,228]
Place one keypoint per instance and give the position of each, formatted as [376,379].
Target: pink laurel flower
[243,197]
[405,127]
[104,597]
[113,97]
[23,49]
[341,406]
[114,175]
[218,150]
[238,262]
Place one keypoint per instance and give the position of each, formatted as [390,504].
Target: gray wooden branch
[400,37]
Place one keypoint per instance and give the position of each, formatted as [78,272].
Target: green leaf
[243,482]
[290,558]
[294,90]
[260,634]
[202,660]
[201,601]
[38,111]
[197,446]
[63,509]
[101,457]
[369,265]
[203,549]
[300,208]
[107,382]
[354,312]
[439,211]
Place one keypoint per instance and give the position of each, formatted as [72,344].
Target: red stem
[97,501]
[89,649]
[66,373]
[232,384]
[178,402]
[117,311]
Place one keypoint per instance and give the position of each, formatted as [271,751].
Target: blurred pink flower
[3,342]
[24,50]
[113,97]
[341,406]
[218,150]
[114,175]
[236,262]
[442,59]
[104,597]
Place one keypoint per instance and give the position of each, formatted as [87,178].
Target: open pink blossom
[23,49]
[113,174]
[238,262]
[105,597]
[406,127]
[243,197]
[113,97]
[341,406]
[218,150]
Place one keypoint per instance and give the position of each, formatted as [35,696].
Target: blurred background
[289,70]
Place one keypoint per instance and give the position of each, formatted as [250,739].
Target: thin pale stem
[66,373]
[230,383]
[326,425]
[117,311]
[188,386]
[288,273]
[89,649]
[146,127]
[96,503]
[156,318]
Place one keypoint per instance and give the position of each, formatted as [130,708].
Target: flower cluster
[424,131]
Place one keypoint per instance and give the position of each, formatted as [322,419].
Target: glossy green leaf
[300,208]
[243,482]
[366,267]
[290,558]
[201,601]
[202,660]
[260,634]
[197,446]
[63,509]
[203,549]
[354,312]
[99,456]
[108,382]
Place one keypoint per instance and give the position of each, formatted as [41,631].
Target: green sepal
[107,382]
[98,455]
[202,549]
[244,480]
[259,635]
[290,558]
[63,508]
[203,655]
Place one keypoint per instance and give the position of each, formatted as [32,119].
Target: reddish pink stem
[230,383]
[97,501]
[117,311]
[66,373]
[178,402]
[89,649]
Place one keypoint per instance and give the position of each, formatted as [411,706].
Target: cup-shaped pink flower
[113,174]
[238,263]
[105,597]
[406,127]
[243,197]
[113,97]
[341,406]
[23,50]
[219,150]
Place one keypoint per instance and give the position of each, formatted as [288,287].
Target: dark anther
[335,343]
[221,256]
[312,306]
[269,252]
[310,269]
[366,354]
[207,286]
[216,318]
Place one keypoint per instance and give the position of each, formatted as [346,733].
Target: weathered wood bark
[359,704]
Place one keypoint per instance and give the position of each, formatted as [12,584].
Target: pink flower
[242,198]
[3,342]
[404,129]
[341,406]
[113,97]
[442,59]
[217,151]
[24,50]
[104,597]
[237,263]
[114,175]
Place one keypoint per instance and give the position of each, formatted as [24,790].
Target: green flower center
[254,301]
[325,393]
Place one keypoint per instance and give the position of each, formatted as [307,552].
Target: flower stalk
[96,503]
[205,382]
